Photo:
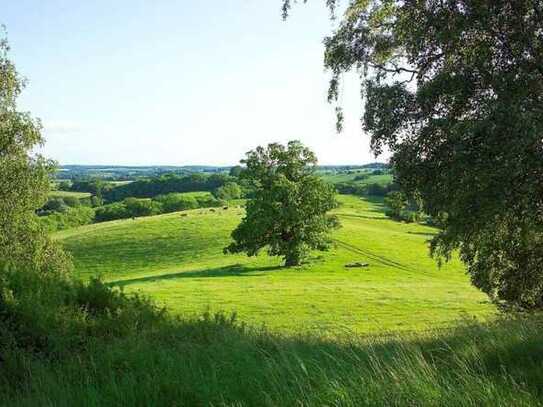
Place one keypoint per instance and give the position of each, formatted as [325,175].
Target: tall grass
[215,361]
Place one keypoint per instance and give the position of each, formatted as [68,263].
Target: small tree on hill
[228,191]
[288,214]
[395,203]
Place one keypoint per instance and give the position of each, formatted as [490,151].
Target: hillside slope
[177,259]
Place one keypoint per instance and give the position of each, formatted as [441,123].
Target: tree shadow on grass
[237,270]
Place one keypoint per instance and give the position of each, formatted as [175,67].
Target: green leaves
[24,180]
[454,89]
[288,212]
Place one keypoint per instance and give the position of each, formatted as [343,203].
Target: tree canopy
[454,89]
[24,179]
[288,213]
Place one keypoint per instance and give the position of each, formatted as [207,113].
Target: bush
[209,201]
[72,201]
[50,314]
[111,212]
[166,184]
[228,191]
[141,207]
[55,204]
[361,177]
[70,217]
[176,202]
[375,189]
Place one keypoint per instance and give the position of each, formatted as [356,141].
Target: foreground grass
[213,361]
[177,259]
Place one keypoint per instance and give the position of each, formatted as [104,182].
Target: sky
[179,82]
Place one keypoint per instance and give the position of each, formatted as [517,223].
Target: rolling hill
[177,259]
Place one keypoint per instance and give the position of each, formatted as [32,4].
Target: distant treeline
[166,184]
[371,189]
[125,173]
[65,213]
[370,166]
[154,186]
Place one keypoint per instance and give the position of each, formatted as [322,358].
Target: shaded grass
[171,257]
[214,361]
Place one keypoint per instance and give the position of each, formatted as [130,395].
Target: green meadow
[337,177]
[177,260]
[69,194]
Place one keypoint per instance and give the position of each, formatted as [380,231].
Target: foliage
[67,218]
[116,210]
[288,211]
[141,207]
[235,171]
[93,186]
[135,207]
[24,180]
[51,315]
[64,186]
[177,202]
[454,90]
[54,205]
[151,187]
[361,177]
[229,191]
[367,189]
[395,203]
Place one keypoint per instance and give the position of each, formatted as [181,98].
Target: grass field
[412,349]
[64,194]
[178,260]
[335,178]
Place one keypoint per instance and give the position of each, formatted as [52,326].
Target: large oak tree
[288,213]
[454,89]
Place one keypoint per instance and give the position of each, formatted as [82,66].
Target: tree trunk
[292,259]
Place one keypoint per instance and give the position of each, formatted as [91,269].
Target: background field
[177,259]
[336,177]
[64,194]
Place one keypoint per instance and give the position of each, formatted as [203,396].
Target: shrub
[361,177]
[52,314]
[112,211]
[166,184]
[209,201]
[229,191]
[55,204]
[176,202]
[141,207]
[71,217]
[72,201]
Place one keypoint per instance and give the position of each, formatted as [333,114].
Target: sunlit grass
[177,259]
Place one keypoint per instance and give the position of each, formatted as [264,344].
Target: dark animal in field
[356,265]
[212,210]
[184,214]
[225,208]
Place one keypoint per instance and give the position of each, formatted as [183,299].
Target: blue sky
[178,81]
